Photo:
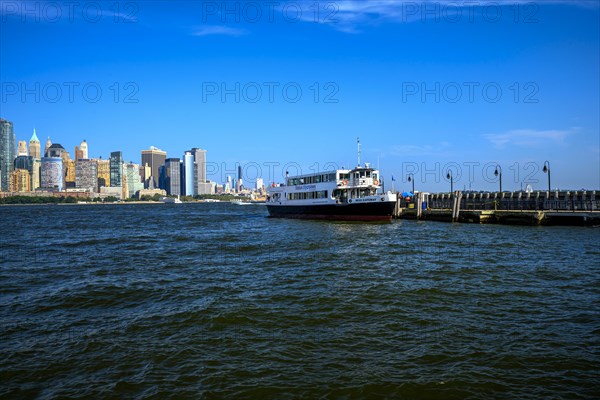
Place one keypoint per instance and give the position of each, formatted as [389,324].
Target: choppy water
[216,300]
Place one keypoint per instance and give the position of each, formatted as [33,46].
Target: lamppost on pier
[449,176]
[498,173]
[547,170]
[411,178]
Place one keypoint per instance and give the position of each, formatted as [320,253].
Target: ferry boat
[342,194]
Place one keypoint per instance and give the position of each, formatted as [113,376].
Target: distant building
[69,169]
[151,192]
[111,191]
[132,180]
[83,147]
[103,173]
[86,175]
[260,184]
[47,146]
[116,169]
[20,180]
[172,176]
[35,149]
[22,148]
[52,173]
[24,163]
[202,186]
[7,153]
[56,150]
[78,153]
[36,173]
[188,174]
[154,158]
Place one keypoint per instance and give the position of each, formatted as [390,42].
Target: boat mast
[358,144]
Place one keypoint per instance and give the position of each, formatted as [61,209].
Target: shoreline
[115,203]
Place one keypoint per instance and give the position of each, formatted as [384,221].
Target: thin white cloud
[529,137]
[348,15]
[218,30]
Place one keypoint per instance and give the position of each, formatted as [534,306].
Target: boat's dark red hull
[336,212]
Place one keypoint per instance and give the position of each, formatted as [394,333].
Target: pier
[579,208]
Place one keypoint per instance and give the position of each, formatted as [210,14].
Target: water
[216,300]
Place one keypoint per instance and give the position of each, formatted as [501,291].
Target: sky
[429,87]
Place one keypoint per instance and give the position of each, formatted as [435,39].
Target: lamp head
[545,168]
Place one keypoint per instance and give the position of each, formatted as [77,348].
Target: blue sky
[427,86]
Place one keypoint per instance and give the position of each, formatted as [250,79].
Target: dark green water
[218,301]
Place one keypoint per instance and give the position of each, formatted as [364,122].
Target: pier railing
[524,201]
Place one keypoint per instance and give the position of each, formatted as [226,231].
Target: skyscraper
[52,173]
[7,153]
[259,184]
[24,162]
[132,179]
[103,173]
[56,150]
[83,147]
[201,183]
[116,169]
[20,181]
[69,169]
[21,164]
[155,158]
[240,183]
[86,175]
[35,148]
[189,188]
[22,148]
[172,176]
[35,176]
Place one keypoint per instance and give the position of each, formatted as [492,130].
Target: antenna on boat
[358,144]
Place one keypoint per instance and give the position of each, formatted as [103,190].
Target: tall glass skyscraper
[133,179]
[116,169]
[188,174]
[8,150]
[172,176]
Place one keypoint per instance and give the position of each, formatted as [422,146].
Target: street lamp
[411,178]
[547,170]
[449,176]
[498,173]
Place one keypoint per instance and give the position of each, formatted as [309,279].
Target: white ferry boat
[343,194]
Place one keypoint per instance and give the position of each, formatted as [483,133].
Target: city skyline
[427,86]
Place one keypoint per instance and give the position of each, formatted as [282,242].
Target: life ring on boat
[350,201]
[376,182]
[383,199]
[345,182]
